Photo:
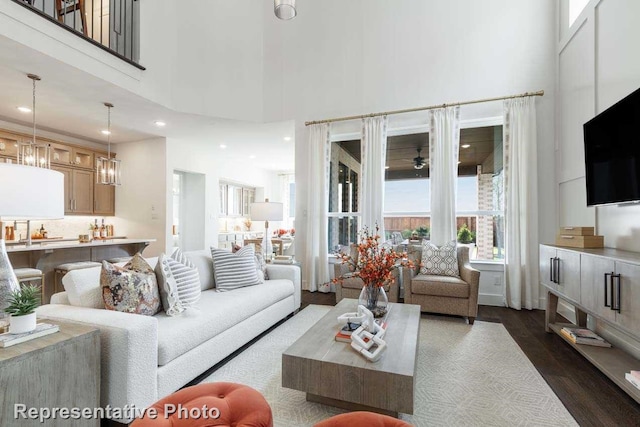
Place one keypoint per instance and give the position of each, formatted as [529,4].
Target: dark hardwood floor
[591,397]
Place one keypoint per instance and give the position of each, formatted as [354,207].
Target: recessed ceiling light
[160,123]
[287,138]
[466,145]
[24,109]
[223,146]
[105,132]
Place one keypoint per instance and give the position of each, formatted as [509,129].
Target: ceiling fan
[418,162]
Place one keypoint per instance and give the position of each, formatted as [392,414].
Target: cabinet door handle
[557,267]
[615,298]
[606,295]
[551,265]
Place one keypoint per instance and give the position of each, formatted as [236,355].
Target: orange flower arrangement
[376,262]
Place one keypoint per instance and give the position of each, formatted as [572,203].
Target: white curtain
[521,204]
[316,259]
[444,140]
[374,154]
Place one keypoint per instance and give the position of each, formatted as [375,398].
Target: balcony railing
[112,25]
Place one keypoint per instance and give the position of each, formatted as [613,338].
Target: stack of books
[634,378]
[7,339]
[584,336]
[283,259]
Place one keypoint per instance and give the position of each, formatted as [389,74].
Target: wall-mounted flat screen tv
[612,153]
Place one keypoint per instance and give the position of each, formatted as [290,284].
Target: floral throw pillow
[130,289]
[440,261]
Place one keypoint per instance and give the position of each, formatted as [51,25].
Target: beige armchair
[351,286]
[443,294]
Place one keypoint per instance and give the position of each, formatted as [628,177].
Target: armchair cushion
[445,286]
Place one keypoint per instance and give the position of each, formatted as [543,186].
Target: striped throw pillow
[179,282]
[235,270]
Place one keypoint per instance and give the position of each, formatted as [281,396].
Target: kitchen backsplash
[70,226]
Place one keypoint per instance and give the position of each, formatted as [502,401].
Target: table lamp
[267,211]
[26,192]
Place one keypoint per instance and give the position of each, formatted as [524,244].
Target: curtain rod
[432,107]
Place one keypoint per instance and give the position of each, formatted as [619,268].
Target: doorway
[188,210]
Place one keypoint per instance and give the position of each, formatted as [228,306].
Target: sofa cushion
[214,313]
[235,270]
[444,286]
[204,263]
[83,287]
[130,289]
[441,260]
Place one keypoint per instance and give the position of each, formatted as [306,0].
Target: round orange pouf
[362,419]
[205,405]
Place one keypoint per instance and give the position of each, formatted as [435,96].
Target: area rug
[467,376]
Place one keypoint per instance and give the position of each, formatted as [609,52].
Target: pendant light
[285,9]
[29,152]
[108,168]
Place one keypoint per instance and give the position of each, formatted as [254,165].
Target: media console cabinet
[604,283]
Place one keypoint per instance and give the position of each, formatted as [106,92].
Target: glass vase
[374,298]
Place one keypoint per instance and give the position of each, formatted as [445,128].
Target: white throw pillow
[235,270]
[440,261]
[83,287]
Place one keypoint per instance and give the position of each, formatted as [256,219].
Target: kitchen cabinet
[104,199]
[78,191]
[67,155]
[236,199]
[8,147]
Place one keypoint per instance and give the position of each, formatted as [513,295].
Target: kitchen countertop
[39,245]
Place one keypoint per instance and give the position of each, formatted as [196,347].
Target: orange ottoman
[213,404]
[362,419]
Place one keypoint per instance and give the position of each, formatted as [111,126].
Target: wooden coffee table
[332,373]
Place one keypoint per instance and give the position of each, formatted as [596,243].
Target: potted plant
[22,305]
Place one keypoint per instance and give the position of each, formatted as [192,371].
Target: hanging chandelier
[29,152]
[108,168]
[285,9]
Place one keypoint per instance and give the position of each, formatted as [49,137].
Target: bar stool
[28,275]
[63,269]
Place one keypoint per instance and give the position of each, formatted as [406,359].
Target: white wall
[141,208]
[598,66]
[342,58]
[201,57]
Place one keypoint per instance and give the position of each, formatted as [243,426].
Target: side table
[61,370]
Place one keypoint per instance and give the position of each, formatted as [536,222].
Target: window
[344,181]
[479,199]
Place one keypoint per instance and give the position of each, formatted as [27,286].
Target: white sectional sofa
[145,358]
